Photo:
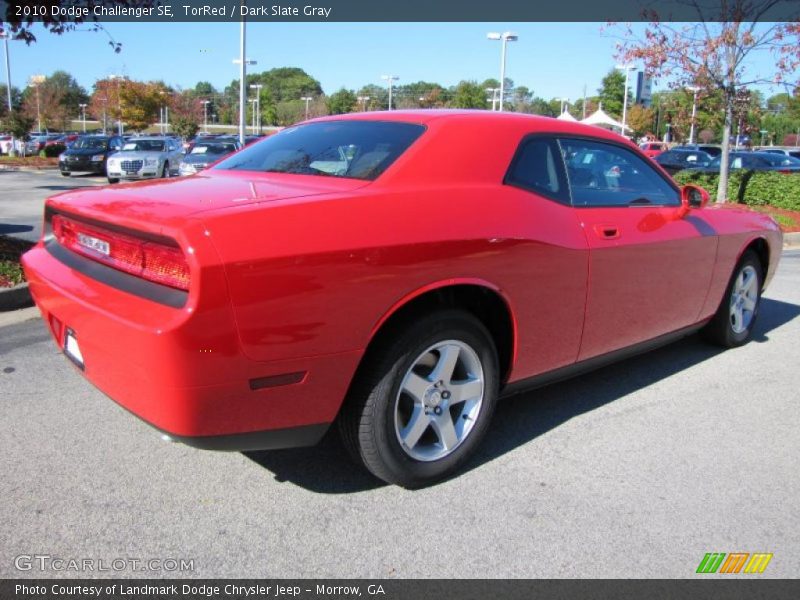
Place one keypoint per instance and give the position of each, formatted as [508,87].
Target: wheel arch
[760,246]
[482,299]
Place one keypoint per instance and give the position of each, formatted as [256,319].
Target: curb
[16,297]
[19,316]
[791,240]
[17,168]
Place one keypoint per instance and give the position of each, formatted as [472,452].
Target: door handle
[607,232]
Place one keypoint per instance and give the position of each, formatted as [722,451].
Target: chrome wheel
[439,400]
[744,299]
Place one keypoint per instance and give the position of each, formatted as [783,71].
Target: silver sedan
[145,158]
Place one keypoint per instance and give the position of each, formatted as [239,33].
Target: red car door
[649,266]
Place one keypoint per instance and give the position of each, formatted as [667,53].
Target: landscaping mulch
[11,250]
[32,162]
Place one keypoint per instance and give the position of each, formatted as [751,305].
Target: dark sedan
[679,159]
[203,154]
[755,161]
[88,154]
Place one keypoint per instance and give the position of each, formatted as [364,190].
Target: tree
[140,103]
[640,120]
[55,100]
[58,22]
[187,113]
[16,99]
[469,94]
[713,54]
[19,126]
[612,93]
[343,101]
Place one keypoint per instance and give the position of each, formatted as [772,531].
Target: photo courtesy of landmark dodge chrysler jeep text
[393,273]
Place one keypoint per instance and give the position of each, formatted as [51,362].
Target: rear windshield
[355,149]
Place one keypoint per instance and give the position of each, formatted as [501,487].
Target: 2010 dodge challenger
[394,273]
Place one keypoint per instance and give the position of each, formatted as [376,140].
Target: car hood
[168,202]
[137,155]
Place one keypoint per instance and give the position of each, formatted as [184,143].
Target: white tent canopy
[565,116]
[601,118]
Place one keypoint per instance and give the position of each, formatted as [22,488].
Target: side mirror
[693,196]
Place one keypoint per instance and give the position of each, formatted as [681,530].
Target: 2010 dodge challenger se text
[393,273]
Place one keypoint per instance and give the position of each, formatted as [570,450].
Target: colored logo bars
[714,562]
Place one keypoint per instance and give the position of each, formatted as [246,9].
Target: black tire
[368,421]
[722,329]
[165,171]
[113,180]
[65,173]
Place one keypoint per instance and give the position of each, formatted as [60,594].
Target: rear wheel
[733,323]
[65,173]
[423,400]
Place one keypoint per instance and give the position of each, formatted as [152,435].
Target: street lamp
[390,79]
[363,101]
[627,69]
[694,89]
[257,87]
[493,92]
[205,115]
[104,100]
[505,38]
[253,102]
[306,99]
[83,115]
[563,102]
[5,37]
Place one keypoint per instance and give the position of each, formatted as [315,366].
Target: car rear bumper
[181,369]
[143,174]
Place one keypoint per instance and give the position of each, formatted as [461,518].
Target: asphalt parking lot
[636,470]
[23,195]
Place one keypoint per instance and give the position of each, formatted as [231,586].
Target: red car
[653,149]
[394,273]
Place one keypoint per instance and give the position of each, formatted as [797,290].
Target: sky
[554,60]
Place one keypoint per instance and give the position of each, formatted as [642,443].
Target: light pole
[119,101]
[563,102]
[504,38]
[104,101]
[36,81]
[694,89]
[242,62]
[257,87]
[5,37]
[83,116]
[205,115]
[253,102]
[493,92]
[627,69]
[390,79]
[363,101]
[306,99]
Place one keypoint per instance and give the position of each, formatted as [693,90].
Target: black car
[678,159]
[88,154]
[755,161]
[711,149]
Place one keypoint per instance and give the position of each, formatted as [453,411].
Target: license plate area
[72,350]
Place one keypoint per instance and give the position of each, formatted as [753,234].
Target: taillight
[146,259]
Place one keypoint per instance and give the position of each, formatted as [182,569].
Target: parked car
[792,151]
[653,149]
[755,161]
[89,154]
[711,149]
[678,159]
[205,153]
[145,158]
[65,140]
[383,272]
[37,142]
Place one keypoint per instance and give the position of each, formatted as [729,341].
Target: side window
[537,167]
[603,174]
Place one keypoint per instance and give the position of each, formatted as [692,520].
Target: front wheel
[165,171]
[733,323]
[423,400]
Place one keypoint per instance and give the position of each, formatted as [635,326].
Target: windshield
[355,149]
[216,149]
[144,146]
[93,143]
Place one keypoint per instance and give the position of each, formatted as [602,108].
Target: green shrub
[737,182]
[775,189]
